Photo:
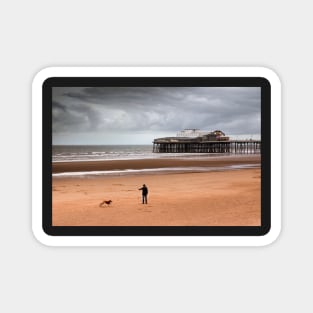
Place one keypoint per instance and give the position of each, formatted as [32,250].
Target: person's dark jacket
[144,190]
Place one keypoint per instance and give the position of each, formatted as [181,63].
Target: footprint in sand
[82,191]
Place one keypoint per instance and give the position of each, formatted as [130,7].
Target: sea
[101,152]
[82,153]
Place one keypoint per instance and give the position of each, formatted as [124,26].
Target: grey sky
[137,115]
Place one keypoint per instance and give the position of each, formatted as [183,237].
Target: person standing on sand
[144,194]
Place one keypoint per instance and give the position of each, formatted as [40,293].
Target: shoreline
[156,163]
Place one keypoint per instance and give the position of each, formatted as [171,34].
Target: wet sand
[60,167]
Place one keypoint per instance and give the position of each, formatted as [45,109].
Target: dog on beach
[107,202]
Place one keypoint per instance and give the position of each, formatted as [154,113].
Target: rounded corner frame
[266,239]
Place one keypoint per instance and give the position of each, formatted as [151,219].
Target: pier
[192,146]
[196,141]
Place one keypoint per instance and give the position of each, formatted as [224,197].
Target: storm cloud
[137,115]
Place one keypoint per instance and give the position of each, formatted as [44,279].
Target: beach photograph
[156,156]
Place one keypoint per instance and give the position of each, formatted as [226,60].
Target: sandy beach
[213,198]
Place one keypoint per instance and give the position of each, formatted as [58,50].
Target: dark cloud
[154,110]
[58,106]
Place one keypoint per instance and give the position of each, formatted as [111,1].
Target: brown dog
[105,202]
